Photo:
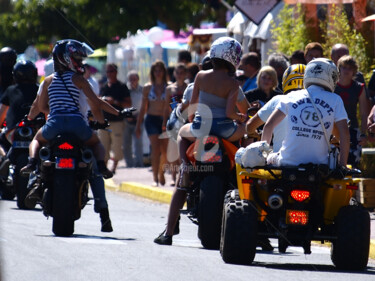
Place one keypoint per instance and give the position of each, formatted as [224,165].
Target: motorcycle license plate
[212,157]
[65,163]
[21,144]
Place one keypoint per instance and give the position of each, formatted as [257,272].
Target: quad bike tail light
[297,217]
[352,187]
[21,124]
[66,146]
[300,195]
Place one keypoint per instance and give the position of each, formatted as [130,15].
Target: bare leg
[177,202]
[155,157]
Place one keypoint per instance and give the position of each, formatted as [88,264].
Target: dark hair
[112,65]
[207,64]
[253,59]
[297,56]
[193,69]
[184,56]
[223,64]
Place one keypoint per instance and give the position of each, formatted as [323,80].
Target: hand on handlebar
[127,112]
[95,125]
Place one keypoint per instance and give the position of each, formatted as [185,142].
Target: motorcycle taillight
[65,163]
[21,124]
[297,217]
[65,146]
[211,139]
[300,195]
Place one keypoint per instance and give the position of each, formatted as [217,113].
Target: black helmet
[68,55]
[8,56]
[25,71]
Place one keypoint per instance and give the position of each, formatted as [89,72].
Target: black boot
[105,220]
[107,174]
[30,167]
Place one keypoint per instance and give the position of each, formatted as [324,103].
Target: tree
[291,34]
[337,30]
[94,21]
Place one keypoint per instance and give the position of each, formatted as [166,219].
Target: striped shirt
[63,101]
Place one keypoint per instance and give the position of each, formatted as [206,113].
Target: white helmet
[322,72]
[228,49]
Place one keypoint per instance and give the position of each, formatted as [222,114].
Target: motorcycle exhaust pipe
[44,153]
[87,156]
[25,132]
[275,201]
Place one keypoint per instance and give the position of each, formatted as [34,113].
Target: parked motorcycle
[212,173]
[19,138]
[295,205]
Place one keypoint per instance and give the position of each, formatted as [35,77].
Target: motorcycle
[64,171]
[65,168]
[212,172]
[295,205]
[19,139]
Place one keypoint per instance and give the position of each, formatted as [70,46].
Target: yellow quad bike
[295,205]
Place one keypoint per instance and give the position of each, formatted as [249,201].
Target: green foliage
[338,30]
[25,22]
[291,33]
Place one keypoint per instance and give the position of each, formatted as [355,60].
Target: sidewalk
[138,181]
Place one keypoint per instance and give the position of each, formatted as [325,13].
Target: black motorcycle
[212,172]
[19,139]
[64,172]
[65,169]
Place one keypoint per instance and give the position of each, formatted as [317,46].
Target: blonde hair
[269,70]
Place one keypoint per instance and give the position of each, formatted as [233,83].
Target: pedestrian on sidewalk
[116,94]
[130,139]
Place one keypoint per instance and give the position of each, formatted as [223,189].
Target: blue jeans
[97,188]
[131,140]
[66,124]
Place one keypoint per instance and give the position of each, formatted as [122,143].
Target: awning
[369,18]
[237,24]
[102,52]
[292,2]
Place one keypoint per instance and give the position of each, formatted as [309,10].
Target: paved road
[29,251]
[125,178]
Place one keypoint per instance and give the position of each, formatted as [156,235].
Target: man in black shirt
[16,101]
[117,94]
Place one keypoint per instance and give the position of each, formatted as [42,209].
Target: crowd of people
[174,106]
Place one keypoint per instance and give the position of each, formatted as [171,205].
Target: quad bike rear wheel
[351,249]
[239,232]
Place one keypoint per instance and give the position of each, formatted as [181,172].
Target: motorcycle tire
[350,251]
[21,182]
[63,203]
[239,232]
[211,199]
[6,194]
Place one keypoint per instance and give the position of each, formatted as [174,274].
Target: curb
[152,193]
[164,196]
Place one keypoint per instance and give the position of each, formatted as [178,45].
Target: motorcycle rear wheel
[211,199]
[63,206]
[21,182]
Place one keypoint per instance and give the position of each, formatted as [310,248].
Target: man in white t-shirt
[292,80]
[305,140]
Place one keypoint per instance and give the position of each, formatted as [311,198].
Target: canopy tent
[140,50]
[253,36]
